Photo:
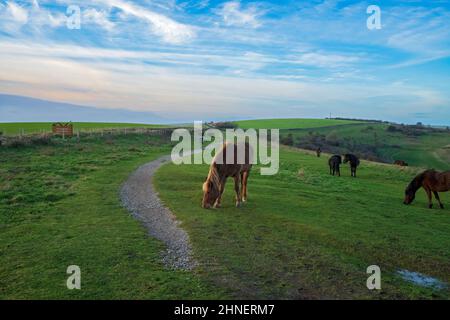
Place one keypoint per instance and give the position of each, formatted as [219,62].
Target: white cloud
[234,15]
[166,28]
[34,17]
[139,86]
[98,17]
[325,60]
[16,12]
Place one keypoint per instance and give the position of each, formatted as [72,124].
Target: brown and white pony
[219,171]
[431,181]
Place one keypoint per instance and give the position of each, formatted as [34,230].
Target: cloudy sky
[232,59]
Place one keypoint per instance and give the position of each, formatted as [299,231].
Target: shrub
[332,138]
[41,140]
[392,128]
[16,143]
[287,140]
[225,125]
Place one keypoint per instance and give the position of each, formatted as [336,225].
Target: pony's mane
[416,183]
[213,175]
[221,154]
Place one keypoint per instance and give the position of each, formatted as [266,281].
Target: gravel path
[140,198]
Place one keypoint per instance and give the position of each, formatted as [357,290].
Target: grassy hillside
[291,123]
[306,234]
[36,127]
[59,205]
[424,148]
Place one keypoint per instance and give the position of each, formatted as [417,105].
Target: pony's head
[346,158]
[410,195]
[411,189]
[210,194]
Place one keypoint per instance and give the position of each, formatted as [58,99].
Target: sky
[232,59]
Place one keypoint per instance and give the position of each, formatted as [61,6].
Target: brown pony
[219,171]
[400,163]
[318,152]
[431,181]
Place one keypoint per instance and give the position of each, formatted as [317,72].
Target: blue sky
[233,59]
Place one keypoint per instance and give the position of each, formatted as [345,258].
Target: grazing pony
[354,163]
[318,152]
[431,181]
[221,169]
[401,163]
[334,163]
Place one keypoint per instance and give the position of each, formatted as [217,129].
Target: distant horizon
[175,122]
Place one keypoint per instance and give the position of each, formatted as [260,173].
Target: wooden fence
[68,132]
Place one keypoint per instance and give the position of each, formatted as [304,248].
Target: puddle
[421,279]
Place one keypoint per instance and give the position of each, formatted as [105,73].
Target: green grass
[306,234]
[59,205]
[303,234]
[14,128]
[291,123]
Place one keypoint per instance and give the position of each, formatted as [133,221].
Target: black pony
[354,162]
[335,163]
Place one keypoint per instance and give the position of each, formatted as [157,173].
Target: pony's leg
[430,203]
[238,191]
[221,190]
[244,184]
[436,195]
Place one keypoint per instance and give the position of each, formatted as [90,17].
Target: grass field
[15,128]
[59,206]
[291,123]
[303,234]
[306,234]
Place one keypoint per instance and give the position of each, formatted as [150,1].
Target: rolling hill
[298,123]
[24,109]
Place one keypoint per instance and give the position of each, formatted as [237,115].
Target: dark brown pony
[219,171]
[431,181]
[335,165]
[400,163]
[354,163]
